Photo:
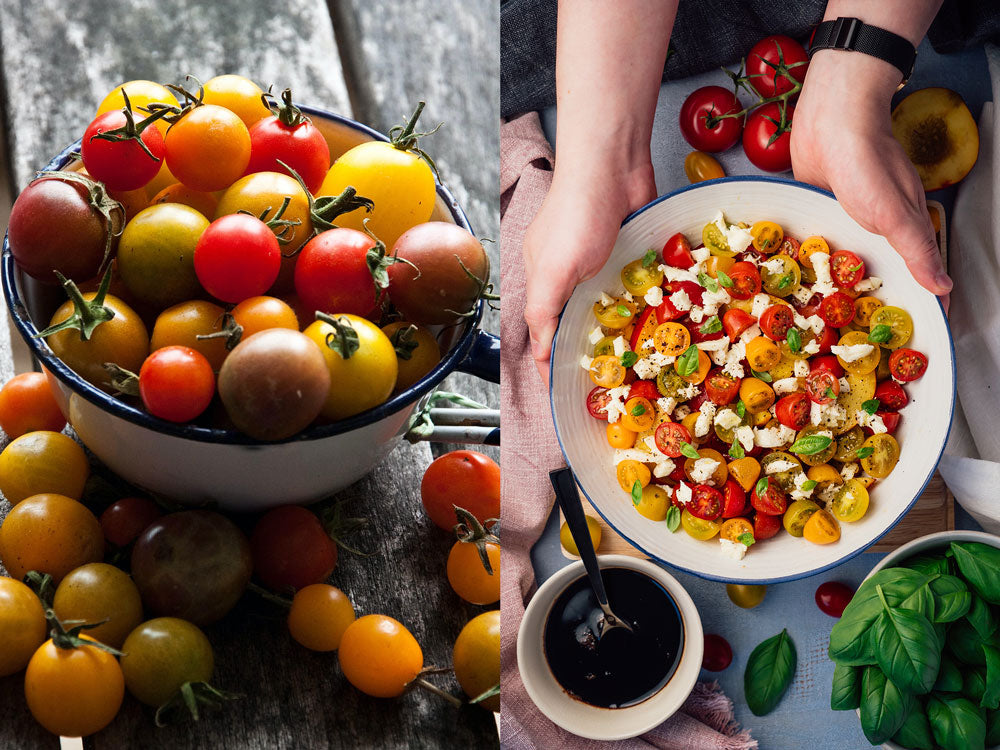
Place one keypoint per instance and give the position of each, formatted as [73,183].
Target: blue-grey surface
[803,718]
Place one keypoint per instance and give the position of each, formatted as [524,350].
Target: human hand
[842,141]
[571,238]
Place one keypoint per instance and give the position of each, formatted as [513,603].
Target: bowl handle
[483,359]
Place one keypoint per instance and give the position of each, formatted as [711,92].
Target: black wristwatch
[854,34]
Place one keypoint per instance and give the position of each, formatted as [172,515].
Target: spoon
[569,500]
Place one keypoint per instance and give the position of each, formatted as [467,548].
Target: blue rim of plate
[19,314]
[781,579]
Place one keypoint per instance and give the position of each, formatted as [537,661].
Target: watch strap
[854,34]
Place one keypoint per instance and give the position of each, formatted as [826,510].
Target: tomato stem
[405,138]
[191,695]
[324,209]
[286,112]
[125,382]
[269,596]
[231,331]
[469,530]
[68,639]
[423,684]
[403,341]
[131,131]
[86,316]
[343,339]
[43,586]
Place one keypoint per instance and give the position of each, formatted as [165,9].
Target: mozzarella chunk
[802,295]
[690,391]
[683,493]
[798,493]
[607,300]
[845,385]
[828,493]
[873,421]
[680,274]
[619,346]
[739,239]
[760,303]
[815,413]
[785,385]
[654,297]
[774,266]
[749,335]
[631,454]
[697,314]
[706,413]
[776,467]
[703,469]
[701,254]
[824,282]
[665,404]
[849,471]
[664,468]
[596,335]
[773,437]
[816,324]
[586,361]
[870,284]
[728,419]
[616,403]
[801,368]
[628,296]
[812,347]
[734,358]
[713,345]
[732,550]
[744,434]
[681,411]
[853,352]
[680,300]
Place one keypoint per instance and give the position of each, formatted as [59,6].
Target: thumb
[545,296]
[912,236]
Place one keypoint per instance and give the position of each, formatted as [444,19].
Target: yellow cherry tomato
[638,278]
[824,473]
[619,314]
[746,472]
[865,364]
[883,457]
[417,351]
[689,421]
[821,528]
[22,625]
[569,543]
[43,461]
[654,502]
[899,323]
[671,339]
[140,94]
[379,656]
[239,95]
[746,595]
[733,528]
[319,615]
[767,236]
[476,657]
[182,324]
[716,242]
[718,477]
[698,528]
[851,501]
[757,395]
[717,263]
[100,593]
[809,246]
[363,380]
[786,281]
[468,576]
[257,314]
[607,371]
[699,375]
[699,166]
[629,472]
[762,354]
[619,436]
[639,414]
[160,655]
[864,308]
[797,515]
[604,347]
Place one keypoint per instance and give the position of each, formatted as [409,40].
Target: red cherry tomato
[793,410]
[907,364]
[891,395]
[696,119]
[765,526]
[644,388]
[597,403]
[822,387]
[846,268]
[790,247]
[735,322]
[763,153]
[890,419]
[670,437]
[677,252]
[640,329]
[766,55]
[721,388]
[832,597]
[332,275]
[827,362]
[718,653]
[121,164]
[290,137]
[666,310]
[125,519]
[176,383]
[706,502]
[468,479]
[291,549]
[771,501]
[734,499]
[837,310]
[775,322]
[237,257]
[827,339]
[746,280]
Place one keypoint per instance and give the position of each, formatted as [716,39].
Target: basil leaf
[712,325]
[649,258]
[884,707]
[880,334]
[949,679]
[916,730]
[673,518]
[979,564]
[623,311]
[991,695]
[810,445]
[955,723]
[846,693]
[980,617]
[856,268]
[974,684]
[920,601]
[871,405]
[906,648]
[741,409]
[794,339]
[809,484]
[746,539]
[966,643]
[690,451]
[952,598]
[687,363]
[993,729]
[785,281]
[865,452]
[769,673]
[636,492]
[629,359]
[638,410]
[829,393]
[766,377]
[736,450]
[708,282]
[761,487]
[928,564]
[724,278]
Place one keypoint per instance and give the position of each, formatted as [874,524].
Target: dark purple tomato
[125,519]
[718,653]
[291,549]
[832,597]
[445,273]
[194,565]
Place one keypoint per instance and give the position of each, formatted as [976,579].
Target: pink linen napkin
[529,451]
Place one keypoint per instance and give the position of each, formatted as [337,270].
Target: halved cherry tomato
[706,502]
[756,395]
[767,236]
[677,252]
[671,339]
[796,516]
[790,247]
[832,597]
[699,375]
[771,501]
[607,371]
[899,322]
[762,354]
[891,395]
[865,364]
[810,246]
[884,456]
[746,280]
[827,362]
[733,528]
[721,388]
[629,472]
[645,324]
[670,438]
[654,503]
[597,403]
[846,268]
[864,308]
[666,311]
[745,471]
[699,528]
[765,526]
[735,322]
[734,500]
[822,387]
[821,528]
[890,419]
[907,364]
[851,501]
[793,410]
[619,436]
[619,314]
[837,310]
[644,388]
[639,414]
[775,322]
[827,339]
[638,278]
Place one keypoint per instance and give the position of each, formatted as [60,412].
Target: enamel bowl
[594,722]
[803,211]
[197,465]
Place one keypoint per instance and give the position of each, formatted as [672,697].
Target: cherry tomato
[141,94]
[776,321]
[822,387]
[644,388]
[51,534]
[827,339]
[864,308]
[721,388]
[22,625]
[332,273]
[846,268]
[765,526]
[907,364]
[899,322]
[821,528]
[160,655]
[290,137]
[832,597]
[379,656]
[291,549]
[256,314]
[176,383]
[890,419]
[73,692]
[790,247]
[597,402]
[237,257]
[837,310]
[796,516]
[793,410]
[677,252]
[638,279]
[884,456]
[699,166]
[764,58]
[734,499]
[182,324]
[645,325]
[620,437]
[764,153]
[100,593]
[476,657]
[237,94]
[746,596]
[607,371]
[319,615]
[865,364]
[698,112]
[125,519]
[467,574]
[639,415]
[569,543]
[746,280]
[706,502]
[698,528]
[671,339]
[889,393]
[122,163]
[203,203]
[762,354]
[670,437]
[829,363]
[767,236]
[851,502]
[735,322]
[417,351]
[28,405]
[208,148]
[464,478]
[718,653]
[771,501]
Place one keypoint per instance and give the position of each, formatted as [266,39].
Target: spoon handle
[569,500]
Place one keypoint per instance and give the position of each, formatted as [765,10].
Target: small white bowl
[593,722]
[937,541]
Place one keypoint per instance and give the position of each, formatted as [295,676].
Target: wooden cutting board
[933,511]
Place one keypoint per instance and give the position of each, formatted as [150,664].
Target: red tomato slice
[721,388]
[775,322]
[837,310]
[790,247]
[809,308]
[698,400]
[677,252]
[846,268]
[822,387]
[771,501]
[890,419]
[644,388]
[597,403]
[746,280]
[735,322]
[907,364]
[734,499]
[706,502]
[670,437]
[827,362]
[891,395]
[765,526]
[793,410]
[645,324]
[666,310]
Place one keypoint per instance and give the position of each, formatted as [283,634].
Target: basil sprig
[687,363]
[871,405]
[708,282]
[880,334]
[690,451]
[810,445]
[629,359]
[865,451]
[769,673]
[724,278]
[794,339]
[649,258]
[636,492]
[766,377]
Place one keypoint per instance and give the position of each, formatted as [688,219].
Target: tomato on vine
[288,139]
[775,63]
[767,137]
[701,121]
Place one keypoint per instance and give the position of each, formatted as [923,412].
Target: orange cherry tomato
[762,354]
[620,436]
[639,414]
[27,404]
[239,95]
[22,625]
[699,375]
[671,339]
[319,616]
[467,574]
[699,166]
[629,472]
[209,148]
[379,656]
[182,324]
[607,371]
[821,528]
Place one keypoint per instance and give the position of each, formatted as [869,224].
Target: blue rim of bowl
[458,353]
[780,579]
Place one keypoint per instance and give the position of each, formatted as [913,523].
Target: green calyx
[100,201]
[471,531]
[406,138]
[324,209]
[404,341]
[86,315]
[131,130]
[125,382]
[280,227]
[231,331]
[70,638]
[343,339]
[192,696]
[286,112]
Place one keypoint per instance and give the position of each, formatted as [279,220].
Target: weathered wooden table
[371,59]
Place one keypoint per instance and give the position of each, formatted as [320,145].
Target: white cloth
[971,463]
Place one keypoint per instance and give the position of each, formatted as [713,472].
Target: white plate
[802,211]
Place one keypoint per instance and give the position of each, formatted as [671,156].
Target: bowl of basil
[917,651]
